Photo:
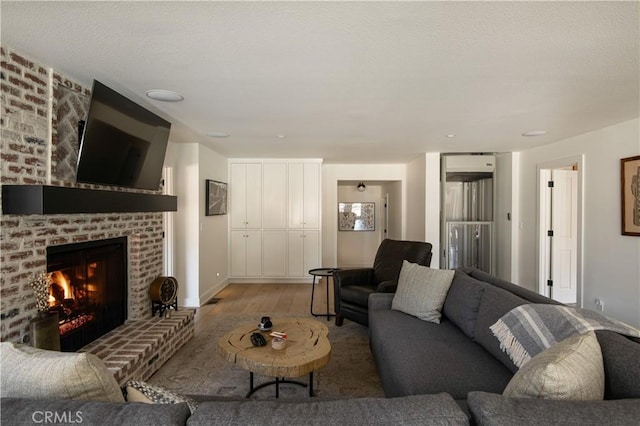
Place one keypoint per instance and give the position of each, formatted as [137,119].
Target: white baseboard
[204,298]
[270,280]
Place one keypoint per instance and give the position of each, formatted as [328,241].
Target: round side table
[321,272]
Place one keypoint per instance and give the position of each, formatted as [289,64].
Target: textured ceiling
[351,81]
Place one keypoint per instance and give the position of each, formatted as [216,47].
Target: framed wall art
[216,197]
[356,216]
[630,186]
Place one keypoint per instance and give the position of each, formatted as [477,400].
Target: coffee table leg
[277,382]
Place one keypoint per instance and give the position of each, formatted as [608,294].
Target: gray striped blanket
[529,329]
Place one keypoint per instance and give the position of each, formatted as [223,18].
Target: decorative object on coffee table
[307,350]
[44,327]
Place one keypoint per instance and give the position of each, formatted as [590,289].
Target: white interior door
[559,234]
[564,243]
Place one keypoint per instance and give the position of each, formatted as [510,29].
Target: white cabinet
[304,252]
[246,253]
[274,196]
[245,195]
[274,253]
[274,218]
[304,195]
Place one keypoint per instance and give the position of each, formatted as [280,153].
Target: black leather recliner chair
[353,286]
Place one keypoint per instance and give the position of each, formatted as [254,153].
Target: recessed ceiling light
[451,135]
[165,95]
[218,134]
[281,136]
[535,133]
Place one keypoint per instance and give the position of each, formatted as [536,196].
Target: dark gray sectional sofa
[451,373]
[460,356]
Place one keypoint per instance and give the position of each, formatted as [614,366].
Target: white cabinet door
[274,196]
[296,196]
[274,253]
[246,253]
[304,195]
[304,252]
[254,196]
[311,251]
[311,197]
[254,253]
[238,254]
[245,195]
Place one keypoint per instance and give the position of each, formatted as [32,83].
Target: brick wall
[38,110]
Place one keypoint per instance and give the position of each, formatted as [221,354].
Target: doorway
[560,225]
[357,249]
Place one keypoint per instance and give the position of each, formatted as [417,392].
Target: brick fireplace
[39,116]
[88,289]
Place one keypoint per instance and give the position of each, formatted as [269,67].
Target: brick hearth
[137,349]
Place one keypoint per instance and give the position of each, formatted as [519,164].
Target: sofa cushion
[497,410]
[494,304]
[138,391]
[420,357]
[570,369]
[463,301]
[27,411]
[36,373]
[439,409]
[421,291]
[620,355]
[519,291]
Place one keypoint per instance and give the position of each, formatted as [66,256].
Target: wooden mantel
[47,199]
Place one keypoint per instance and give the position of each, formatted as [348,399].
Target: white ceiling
[351,81]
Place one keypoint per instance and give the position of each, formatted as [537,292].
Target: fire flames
[60,288]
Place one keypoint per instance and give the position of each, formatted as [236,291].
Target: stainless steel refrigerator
[467,195]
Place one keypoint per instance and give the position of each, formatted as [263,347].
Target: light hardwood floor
[257,298]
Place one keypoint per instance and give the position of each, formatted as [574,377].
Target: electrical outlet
[599,305]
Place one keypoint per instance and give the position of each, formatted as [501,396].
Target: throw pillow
[36,373]
[143,392]
[421,291]
[569,370]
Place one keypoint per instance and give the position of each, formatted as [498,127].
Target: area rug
[197,369]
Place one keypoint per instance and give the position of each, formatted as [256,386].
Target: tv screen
[122,144]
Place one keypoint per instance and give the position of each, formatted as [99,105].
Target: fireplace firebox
[88,289]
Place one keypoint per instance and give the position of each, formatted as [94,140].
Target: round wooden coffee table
[307,350]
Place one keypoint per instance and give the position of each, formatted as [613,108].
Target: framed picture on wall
[356,216]
[216,197]
[630,185]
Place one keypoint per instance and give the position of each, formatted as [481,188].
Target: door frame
[542,238]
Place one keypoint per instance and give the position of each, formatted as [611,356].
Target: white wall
[416,177]
[503,215]
[423,202]
[611,266]
[358,248]
[334,173]
[184,160]
[432,201]
[213,231]
[200,241]
[394,190]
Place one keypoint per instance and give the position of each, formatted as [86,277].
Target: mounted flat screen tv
[122,144]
